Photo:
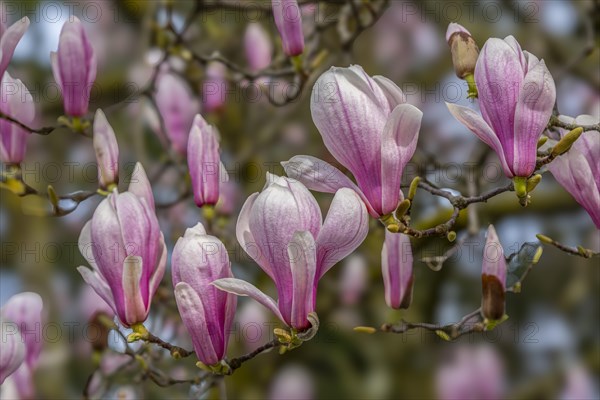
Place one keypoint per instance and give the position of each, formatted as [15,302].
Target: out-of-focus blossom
[24,310]
[204,162]
[368,127]
[74,67]
[177,108]
[107,151]
[579,384]
[126,250]
[258,47]
[516,97]
[207,312]
[464,50]
[214,88]
[91,304]
[292,382]
[288,19]
[253,325]
[9,38]
[397,270]
[493,277]
[229,193]
[12,349]
[17,102]
[578,170]
[354,279]
[282,229]
[140,185]
[471,373]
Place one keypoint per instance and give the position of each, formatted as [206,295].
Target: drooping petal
[242,288]
[193,315]
[9,39]
[397,270]
[97,282]
[303,263]
[479,127]
[534,108]
[346,226]
[398,145]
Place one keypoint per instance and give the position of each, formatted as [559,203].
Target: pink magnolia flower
[9,38]
[397,270]
[177,108]
[24,310]
[516,97]
[214,88]
[207,312]
[493,277]
[354,279]
[281,228]
[74,66]
[17,102]
[288,20]
[368,127]
[107,151]
[12,350]
[140,185]
[204,162]
[578,170]
[126,250]
[258,47]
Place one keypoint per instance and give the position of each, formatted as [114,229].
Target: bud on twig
[464,54]
[566,142]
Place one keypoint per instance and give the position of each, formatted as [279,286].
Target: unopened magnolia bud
[493,277]
[566,142]
[451,236]
[464,50]
[542,141]
[544,238]
[533,182]
[402,208]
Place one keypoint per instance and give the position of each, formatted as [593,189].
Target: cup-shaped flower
[74,67]
[16,102]
[516,97]
[464,50]
[288,19]
[12,349]
[368,127]
[397,270]
[204,162]
[214,88]
[140,185]
[257,46]
[107,151]
[177,108]
[207,312]
[282,230]
[578,170]
[126,250]
[9,38]
[493,277]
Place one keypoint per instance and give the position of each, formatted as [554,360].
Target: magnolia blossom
[204,162]
[207,312]
[397,270]
[281,228]
[17,102]
[257,46]
[126,250]
[177,108]
[288,19]
[516,97]
[464,49]
[9,38]
[74,66]
[214,88]
[12,350]
[493,277]
[354,279]
[471,373]
[578,170]
[368,127]
[23,314]
[107,151]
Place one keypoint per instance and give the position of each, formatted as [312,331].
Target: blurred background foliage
[553,329]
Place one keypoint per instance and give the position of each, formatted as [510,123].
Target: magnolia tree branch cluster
[366,124]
